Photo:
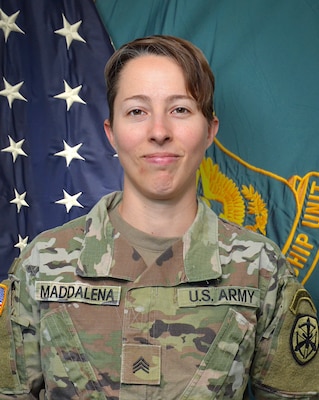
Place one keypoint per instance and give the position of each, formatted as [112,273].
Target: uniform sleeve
[286,363]
[20,376]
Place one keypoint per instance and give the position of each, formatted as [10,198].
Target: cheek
[126,139]
[198,144]
[127,148]
[125,145]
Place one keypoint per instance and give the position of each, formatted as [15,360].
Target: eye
[181,110]
[136,111]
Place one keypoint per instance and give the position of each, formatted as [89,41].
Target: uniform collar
[200,257]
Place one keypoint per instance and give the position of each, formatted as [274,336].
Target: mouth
[161,158]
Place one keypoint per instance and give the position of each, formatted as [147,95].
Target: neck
[163,218]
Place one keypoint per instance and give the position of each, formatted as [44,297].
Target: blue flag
[55,160]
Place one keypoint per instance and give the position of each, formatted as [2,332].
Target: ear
[109,133]
[212,131]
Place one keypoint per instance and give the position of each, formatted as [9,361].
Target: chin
[167,195]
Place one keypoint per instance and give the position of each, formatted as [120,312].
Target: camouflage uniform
[89,320]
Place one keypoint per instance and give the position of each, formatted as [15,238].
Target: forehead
[151,69]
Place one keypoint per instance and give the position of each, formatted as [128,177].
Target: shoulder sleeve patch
[3,296]
[6,376]
[304,338]
[292,349]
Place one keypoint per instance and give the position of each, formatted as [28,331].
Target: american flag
[55,160]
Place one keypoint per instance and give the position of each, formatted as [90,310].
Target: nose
[160,130]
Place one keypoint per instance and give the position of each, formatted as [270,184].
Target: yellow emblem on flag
[236,202]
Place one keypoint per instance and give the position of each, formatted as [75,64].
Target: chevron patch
[141,364]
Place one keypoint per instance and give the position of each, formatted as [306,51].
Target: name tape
[79,292]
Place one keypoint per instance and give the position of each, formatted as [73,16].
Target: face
[158,131]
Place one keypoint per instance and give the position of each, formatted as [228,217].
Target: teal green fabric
[265,57]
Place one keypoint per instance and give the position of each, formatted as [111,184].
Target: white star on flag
[12,92]
[70,153]
[8,25]
[19,200]
[22,243]
[15,149]
[70,31]
[70,95]
[70,201]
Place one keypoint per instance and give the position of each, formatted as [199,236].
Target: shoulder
[242,249]
[54,247]
[59,248]
[234,231]
[59,236]
[70,228]
[235,237]
[68,234]
[245,254]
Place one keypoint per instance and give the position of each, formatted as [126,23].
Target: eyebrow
[169,98]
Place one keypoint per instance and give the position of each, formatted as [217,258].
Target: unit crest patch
[304,338]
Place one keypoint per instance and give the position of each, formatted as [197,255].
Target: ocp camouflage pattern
[89,320]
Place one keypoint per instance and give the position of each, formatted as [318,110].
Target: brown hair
[200,82]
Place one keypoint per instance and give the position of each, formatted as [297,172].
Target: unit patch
[304,338]
[3,296]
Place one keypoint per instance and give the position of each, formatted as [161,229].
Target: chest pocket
[68,372]
[222,374]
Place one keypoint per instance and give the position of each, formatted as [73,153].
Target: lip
[161,158]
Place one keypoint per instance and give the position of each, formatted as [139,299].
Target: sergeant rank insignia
[304,339]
